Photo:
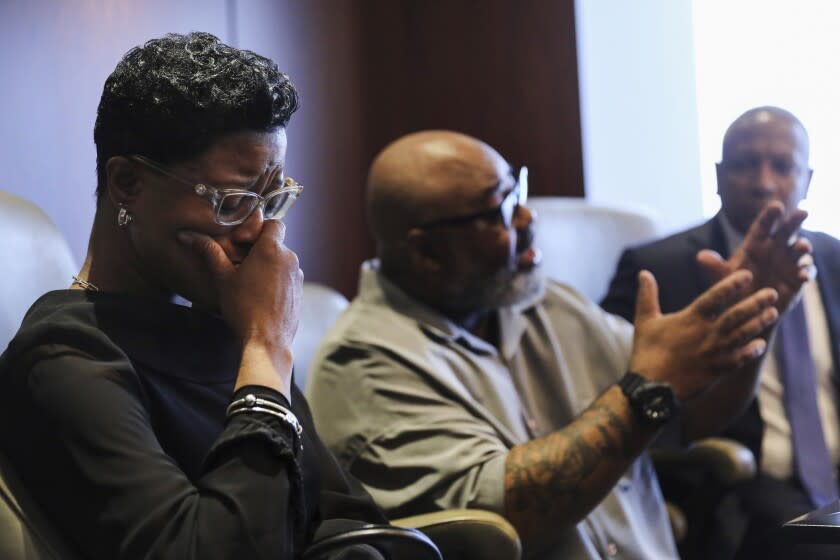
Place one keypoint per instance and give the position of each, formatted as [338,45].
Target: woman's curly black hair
[173,97]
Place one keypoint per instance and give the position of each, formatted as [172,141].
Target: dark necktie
[798,374]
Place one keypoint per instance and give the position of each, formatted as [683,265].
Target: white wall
[638,106]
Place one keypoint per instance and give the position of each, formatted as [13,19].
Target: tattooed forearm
[561,477]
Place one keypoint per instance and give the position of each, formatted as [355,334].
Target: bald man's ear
[123,180]
[424,251]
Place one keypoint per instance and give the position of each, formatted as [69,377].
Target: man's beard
[501,289]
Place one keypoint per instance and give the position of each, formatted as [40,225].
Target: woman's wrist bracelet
[252,403]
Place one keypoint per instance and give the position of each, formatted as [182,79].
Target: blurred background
[623,103]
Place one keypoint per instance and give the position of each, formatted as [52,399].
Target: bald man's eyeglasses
[517,197]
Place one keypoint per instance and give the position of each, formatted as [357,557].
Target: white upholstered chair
[35,258]
[581,242]
[319,309]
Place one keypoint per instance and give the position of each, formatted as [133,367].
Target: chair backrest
[319,309]
[581,242]
[35,257]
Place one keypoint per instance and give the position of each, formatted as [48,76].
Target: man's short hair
[171,98]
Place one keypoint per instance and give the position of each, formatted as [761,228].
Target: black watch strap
[630,382]
[654,403]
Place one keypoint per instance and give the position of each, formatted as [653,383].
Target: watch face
[657,403]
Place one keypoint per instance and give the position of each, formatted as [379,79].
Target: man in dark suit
[765,158]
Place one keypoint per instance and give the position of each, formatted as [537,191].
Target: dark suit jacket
[681,279]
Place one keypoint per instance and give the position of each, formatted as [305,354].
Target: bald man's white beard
[505,287]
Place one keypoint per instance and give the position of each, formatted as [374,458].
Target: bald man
[460,378]
[764,159]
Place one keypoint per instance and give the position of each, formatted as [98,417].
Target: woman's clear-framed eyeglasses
[233,206]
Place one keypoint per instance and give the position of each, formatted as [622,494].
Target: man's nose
[766,178]
[523,216]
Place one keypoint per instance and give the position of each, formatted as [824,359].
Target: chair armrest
[337,537]
[726,460]
[679,524]
[468,534]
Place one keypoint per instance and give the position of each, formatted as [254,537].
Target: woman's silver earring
[123,217]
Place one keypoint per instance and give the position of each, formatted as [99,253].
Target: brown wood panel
[504,71]
[371,70]
[318,46]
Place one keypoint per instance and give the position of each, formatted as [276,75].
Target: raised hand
[772,251]
[717,334]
